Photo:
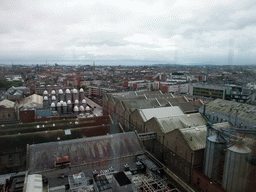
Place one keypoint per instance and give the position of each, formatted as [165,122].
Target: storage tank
[54,99]
[76,102]
[87,110]
[65,108]
[53,107]
[81,94]
[59,108]
[76,110]
[236,168]
[214,157]
[68,95]
[53,92]
[45,93]
[69,106]
[81,109]
[61,95]
[84,102]
[45,102]
[75,95]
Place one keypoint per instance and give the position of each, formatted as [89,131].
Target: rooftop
[7,103]
[85,150]
[147,114]
[230,108]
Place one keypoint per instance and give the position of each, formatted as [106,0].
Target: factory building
[240,115]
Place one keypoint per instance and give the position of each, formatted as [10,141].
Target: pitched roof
[7,103]
[244,112]
[147,114]
[196,136]
[168,124]
[33,101]
[85,150]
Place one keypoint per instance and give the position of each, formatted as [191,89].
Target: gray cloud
[199,30]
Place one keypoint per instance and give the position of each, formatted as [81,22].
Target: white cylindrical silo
[54,100]
[53,93]
[76,102]
[61,95]
[81,109]
[84,102]
[87,110]
[76,110]
[45,102]
[75,94]
[59,108]
[69,103]
[214,157]
[236,168]
[65,107]
[53,107]
[45,93]
[81,94]
[68,95]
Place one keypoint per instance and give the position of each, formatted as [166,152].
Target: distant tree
[4,84]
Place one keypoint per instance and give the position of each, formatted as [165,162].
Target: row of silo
[63,96]
[227,165]
[63,107]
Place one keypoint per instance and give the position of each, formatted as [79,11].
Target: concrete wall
[137,121]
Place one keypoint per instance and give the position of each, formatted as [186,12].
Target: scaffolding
[150,183]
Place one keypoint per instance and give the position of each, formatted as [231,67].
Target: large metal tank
[59,108]
[45,93]
[65,107]
[81,94]
[236,168]
[68,95]
[84,102]
[75,94]
[54,100]
[45,102]
[214,157]
[76,102]
[53,107]
[81,109]
[76,110]
[53,93]
[69,106]
[61,95]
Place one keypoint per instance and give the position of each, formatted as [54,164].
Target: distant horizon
[106,63]
[128,32]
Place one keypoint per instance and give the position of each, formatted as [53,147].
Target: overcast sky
[182,31]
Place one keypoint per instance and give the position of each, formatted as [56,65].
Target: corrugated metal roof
[33,101]
[7,103]
[147,114]
[195,137]
[85,150]
[139,104]
[245,112]
[168,124]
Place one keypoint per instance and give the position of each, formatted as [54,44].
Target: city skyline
[149,32]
